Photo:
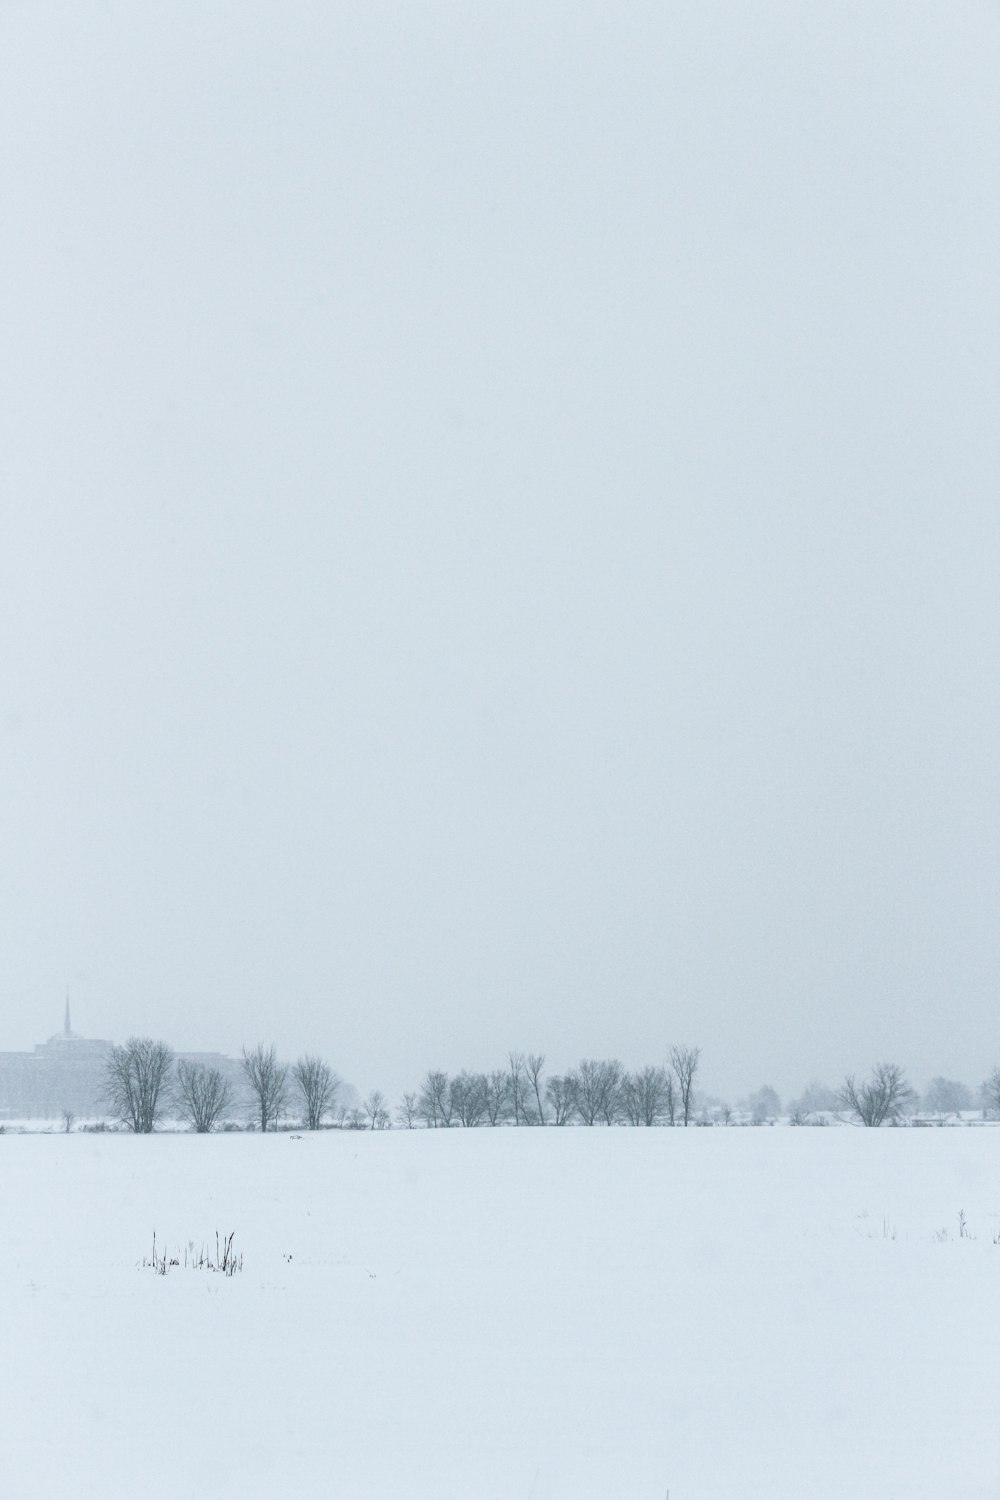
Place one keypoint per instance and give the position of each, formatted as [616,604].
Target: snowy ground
[504,1315]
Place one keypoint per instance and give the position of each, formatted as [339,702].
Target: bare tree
[137,1081]
[630,1100]
[520,1095]
[644,1095]
[468,1098]
[435,1103]
[816,1099]
[596,1088]
[67,1118]
[684,1061]
[882,1098]
[533,1065]
[945,1096]
[764,1105]
[202,1095]
[317,1084]
[611,1097]
[582,1089]
[670,1099]
[267,1079]
[991,1092]
[561,1094]
[497,1096]
[406,1114]
[375,1111]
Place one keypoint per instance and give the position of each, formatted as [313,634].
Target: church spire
[66,1030]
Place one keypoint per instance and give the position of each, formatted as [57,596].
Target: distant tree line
[596,1092]
[884,1098]
[602,1092]
[145,1082]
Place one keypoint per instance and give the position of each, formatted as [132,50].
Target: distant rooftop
[69,1038]
[67,1034]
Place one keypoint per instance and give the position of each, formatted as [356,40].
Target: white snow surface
[504,1315]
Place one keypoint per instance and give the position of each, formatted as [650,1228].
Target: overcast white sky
[500,537]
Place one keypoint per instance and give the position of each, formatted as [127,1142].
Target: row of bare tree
[143,1081]
[604,1093]
[886,1097]
[597,1092]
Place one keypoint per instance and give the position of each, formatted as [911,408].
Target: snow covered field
[504,1315]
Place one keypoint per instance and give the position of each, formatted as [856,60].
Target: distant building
[64,1073]
[68,1073]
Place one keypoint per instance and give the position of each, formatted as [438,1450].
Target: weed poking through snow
[226,1261]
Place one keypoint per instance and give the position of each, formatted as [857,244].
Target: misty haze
[499,624]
